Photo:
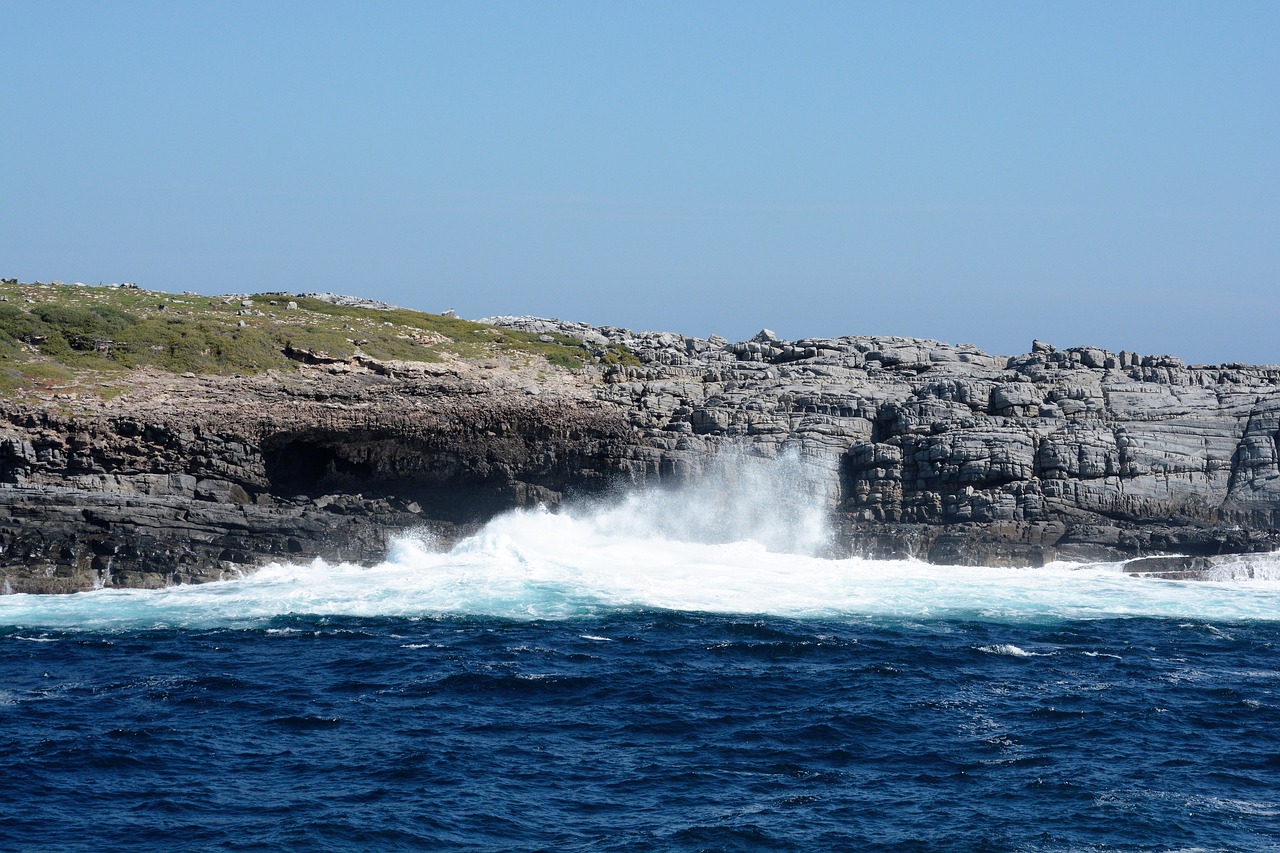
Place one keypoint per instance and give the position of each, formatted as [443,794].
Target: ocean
[662,671]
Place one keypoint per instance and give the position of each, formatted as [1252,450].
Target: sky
[1085,173]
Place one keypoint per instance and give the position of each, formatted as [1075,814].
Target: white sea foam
[1007,649]
[746,540]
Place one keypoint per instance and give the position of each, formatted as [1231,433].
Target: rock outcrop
[921,448]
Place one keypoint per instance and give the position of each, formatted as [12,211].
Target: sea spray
[777,502]
[746,539]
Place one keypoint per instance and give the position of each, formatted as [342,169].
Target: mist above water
[777,503]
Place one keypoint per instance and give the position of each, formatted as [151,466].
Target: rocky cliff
[950,454]
[920,448]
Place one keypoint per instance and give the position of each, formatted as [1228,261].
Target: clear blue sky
[986,172]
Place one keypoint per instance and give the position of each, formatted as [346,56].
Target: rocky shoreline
[937,451]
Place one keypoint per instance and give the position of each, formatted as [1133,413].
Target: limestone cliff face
[939,451]
[188,479]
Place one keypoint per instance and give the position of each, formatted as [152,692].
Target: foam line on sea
[746,537]
[537,564]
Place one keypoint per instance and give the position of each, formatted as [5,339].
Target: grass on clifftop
[51,332]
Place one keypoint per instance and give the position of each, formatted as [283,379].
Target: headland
[149,438]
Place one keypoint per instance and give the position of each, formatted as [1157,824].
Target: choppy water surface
[645,677]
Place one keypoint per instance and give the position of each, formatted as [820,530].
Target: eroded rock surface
[934,450]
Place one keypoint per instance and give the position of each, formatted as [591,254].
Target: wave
[747,539]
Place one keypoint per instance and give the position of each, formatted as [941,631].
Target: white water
[742,541]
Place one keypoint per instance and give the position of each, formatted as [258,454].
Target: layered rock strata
[918,448]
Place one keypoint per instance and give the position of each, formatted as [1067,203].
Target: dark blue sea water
[669,672]
[643,730]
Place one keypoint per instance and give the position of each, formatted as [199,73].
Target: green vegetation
[50,332]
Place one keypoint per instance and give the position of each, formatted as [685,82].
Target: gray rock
[923,448]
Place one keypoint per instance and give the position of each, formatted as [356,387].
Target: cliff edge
[118,467]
